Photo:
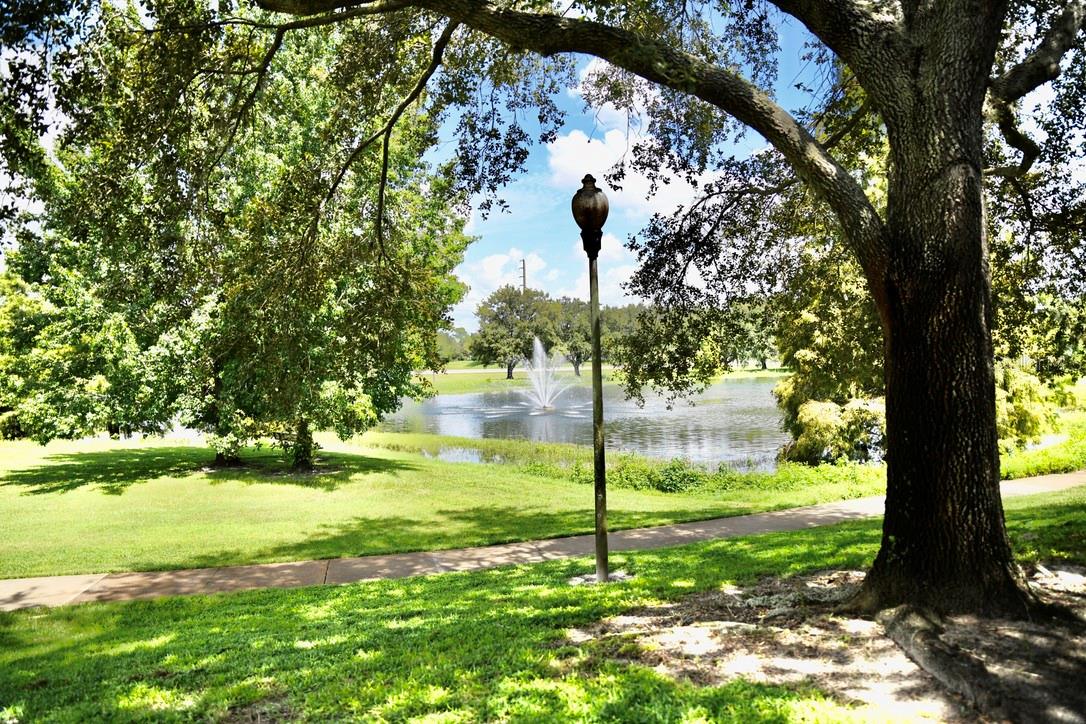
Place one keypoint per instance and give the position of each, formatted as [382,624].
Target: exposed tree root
[1035,670]
[917,633]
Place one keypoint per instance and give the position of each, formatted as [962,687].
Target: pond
[735,421]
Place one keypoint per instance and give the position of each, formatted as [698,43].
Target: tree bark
[576,367]
[944,542]
[303,446]
[509,370]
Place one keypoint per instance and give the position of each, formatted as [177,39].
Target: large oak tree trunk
[944,542]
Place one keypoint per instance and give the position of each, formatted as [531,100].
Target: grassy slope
[456,647]
[96,506]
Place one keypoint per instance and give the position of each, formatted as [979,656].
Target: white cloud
[616,265]
[574,154]
[491,272]
[611,281]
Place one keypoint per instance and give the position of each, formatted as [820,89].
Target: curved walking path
[19,593]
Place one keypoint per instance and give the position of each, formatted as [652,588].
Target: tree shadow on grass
[114,471]
[445,529]
[485,646]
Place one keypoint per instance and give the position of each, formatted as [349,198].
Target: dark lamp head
[590,206]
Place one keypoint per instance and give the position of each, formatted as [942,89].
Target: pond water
[734,421]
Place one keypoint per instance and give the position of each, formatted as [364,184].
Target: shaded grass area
[457,647]
[103,506]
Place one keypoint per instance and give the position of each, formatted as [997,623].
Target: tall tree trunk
[509,370]
[762,361]
[303,446]
[944,543]
[576,367]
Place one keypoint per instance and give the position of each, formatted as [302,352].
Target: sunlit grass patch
[481,646]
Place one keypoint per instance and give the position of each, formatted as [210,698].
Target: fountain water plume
[542,373]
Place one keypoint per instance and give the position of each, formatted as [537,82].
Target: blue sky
[538,227]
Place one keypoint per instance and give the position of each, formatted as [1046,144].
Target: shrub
[829,432]
[1025,406]
[864,435]
[677,476]
[9,426]
[819,424]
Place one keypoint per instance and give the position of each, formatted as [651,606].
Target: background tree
[754,321]
[509,320]
[617,323]
[277,324]
[453,344]
[573,331]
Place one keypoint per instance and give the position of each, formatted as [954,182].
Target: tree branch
[261,71]
[1043,64]
[1039,67]
[386,131]
[435,62]
[853,29]
[660,63]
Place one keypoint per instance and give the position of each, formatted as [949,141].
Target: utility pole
[523,275]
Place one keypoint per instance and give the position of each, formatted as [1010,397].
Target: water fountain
[542,373]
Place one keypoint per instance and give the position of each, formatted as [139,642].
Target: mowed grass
[103,506]
[466,382]
[484,646]
[484,380]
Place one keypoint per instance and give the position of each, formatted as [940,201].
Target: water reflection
[734,421]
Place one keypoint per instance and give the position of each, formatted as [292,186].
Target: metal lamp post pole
[599,467]
[590,212]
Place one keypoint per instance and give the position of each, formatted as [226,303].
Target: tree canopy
[509,320]
[216,299]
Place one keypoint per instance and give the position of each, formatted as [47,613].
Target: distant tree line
[510,318]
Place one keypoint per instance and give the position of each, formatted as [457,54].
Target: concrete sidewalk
[19,593]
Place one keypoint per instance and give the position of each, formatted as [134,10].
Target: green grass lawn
[465,382]
[483,646]
[104,506]
[464,364]
[100,506]
[494,381]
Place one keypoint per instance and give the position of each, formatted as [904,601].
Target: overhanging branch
[386,132]
[660,63]
[1039,67]
[261,71]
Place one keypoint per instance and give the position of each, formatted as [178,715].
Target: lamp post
[590,213]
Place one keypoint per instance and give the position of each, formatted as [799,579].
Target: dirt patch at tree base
[785,632]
